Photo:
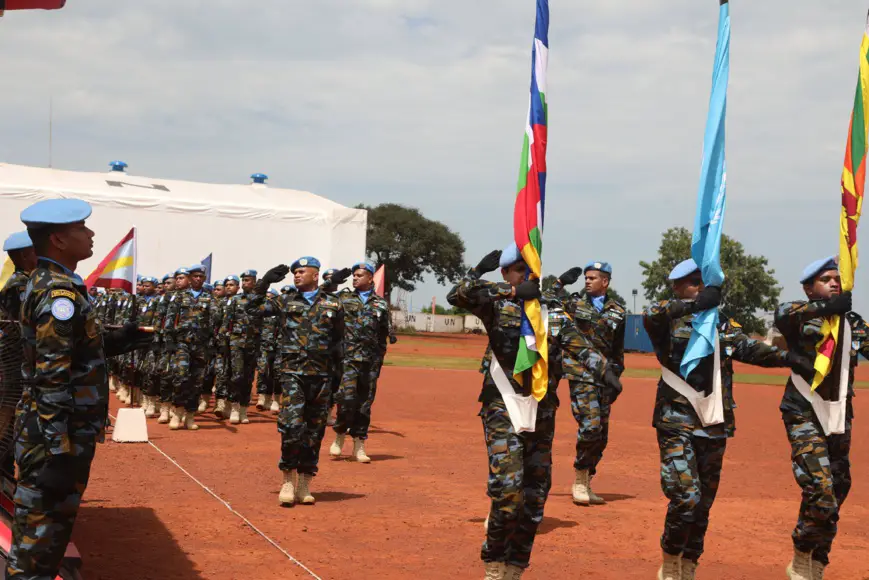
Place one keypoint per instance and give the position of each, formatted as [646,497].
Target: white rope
[237,514]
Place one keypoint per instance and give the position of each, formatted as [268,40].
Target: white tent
[180,223]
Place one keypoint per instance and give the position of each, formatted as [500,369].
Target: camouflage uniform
[61,417]
[366,330]
[240,333]
[520,465]
[221,380]
[821,463]
[146,367]
[265,364]
[11,299]
[164,346]
[188,325]
[691,454]
[310,335]
[12,295]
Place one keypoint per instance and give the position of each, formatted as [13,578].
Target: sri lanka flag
[853,182]
[528,212]
[118,269]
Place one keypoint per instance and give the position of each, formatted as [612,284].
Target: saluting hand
[490,263]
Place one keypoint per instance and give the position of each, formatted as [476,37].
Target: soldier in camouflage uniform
[218,292]
[164,347]
[20,250]
[189,325]
[240,335]
[147,360]
[520,464]
[820,448]
[266,382]
[692,452]
[366,331]
[63,411]
[123,307]
[332,278]
[231,286]
[311,332]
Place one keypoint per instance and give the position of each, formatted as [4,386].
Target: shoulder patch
[62,309]
[63,294]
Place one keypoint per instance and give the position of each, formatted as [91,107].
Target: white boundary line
[227,505]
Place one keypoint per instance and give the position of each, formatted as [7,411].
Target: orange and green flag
[853,183]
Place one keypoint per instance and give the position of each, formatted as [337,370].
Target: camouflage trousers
[47,500]
[221,381]
[164,375]
[690,472]
[148,372]
[243,366]
[355,397]
[208,380]
[822,469]
[302,420]
[265,374]
[520,475]
[592,414]
[188,372]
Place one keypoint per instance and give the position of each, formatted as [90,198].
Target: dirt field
[417,510]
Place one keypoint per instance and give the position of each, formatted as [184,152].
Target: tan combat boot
[235,414]
[594,498]
[818,570]
[303,492]
[165,409]
[337,447]
[203,404]
[176,416]
[261,403]
[800,567]
[513,572]
[671,568]
[359,451]
[242,415]
[122,393]
[220,409]
[276,405]
[689,569]
[495,570]
[150,407]
[580,488]
[287,496]
[189,423]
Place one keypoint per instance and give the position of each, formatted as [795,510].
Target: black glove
[340,276]
[838,304]
[571,276]
[709,298]
[393,339]
[802,365]
[528,290]
[59,475]
[126,339]
[273,276]
[612,386]
[490,263]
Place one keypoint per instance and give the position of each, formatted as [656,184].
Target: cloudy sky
[423,102]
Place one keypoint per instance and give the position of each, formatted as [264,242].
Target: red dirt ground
[417,510]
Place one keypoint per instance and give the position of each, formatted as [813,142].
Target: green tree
[438,310]
[410,245]
[749,286]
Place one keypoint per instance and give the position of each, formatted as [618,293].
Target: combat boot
[800,567]
[276,405]
[261,404]
[513,572]
[303,492]
[234,414]
[495,570]
[287,496]
[151,407]
[203,404]
[242,415]
[580,488]
[594,498]
[113,387]
[220,409]
[176,415]
[189,423]
[689,569]
[337,447]
[128,395]
[122,393]
[165,409]
[671,568]
[818,570]
[359,451]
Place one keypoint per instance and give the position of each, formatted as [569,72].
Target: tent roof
[118,189]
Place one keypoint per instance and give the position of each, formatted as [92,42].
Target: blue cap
[208,286]
[167,277]
[138,277]
[818,266]
[600,267]
[197,268]
[683,269]
[329,272]
[366,265]
[510,255]
[251,273]
[150,279]
[259,177]
[17,241]
[287,288]
[305,262]
[233,278]
[182,270]
[272,292]
[55,212]
[218,283]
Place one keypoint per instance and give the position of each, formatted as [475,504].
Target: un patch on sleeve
[62,309]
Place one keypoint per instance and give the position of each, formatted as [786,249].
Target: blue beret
[287,288]
[817,267]
[329,272]
[167,276]
[233,278]
[17,241]
[208,286]
[305,262]
[510,255]
[251,273]
[218,283]
[600,267]
[683,269]
[197,268]
[150,279]
[55,212]
[182,270]
[138,277]
[273,292]
[366,265]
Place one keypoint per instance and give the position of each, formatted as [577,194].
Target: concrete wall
[440,323]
